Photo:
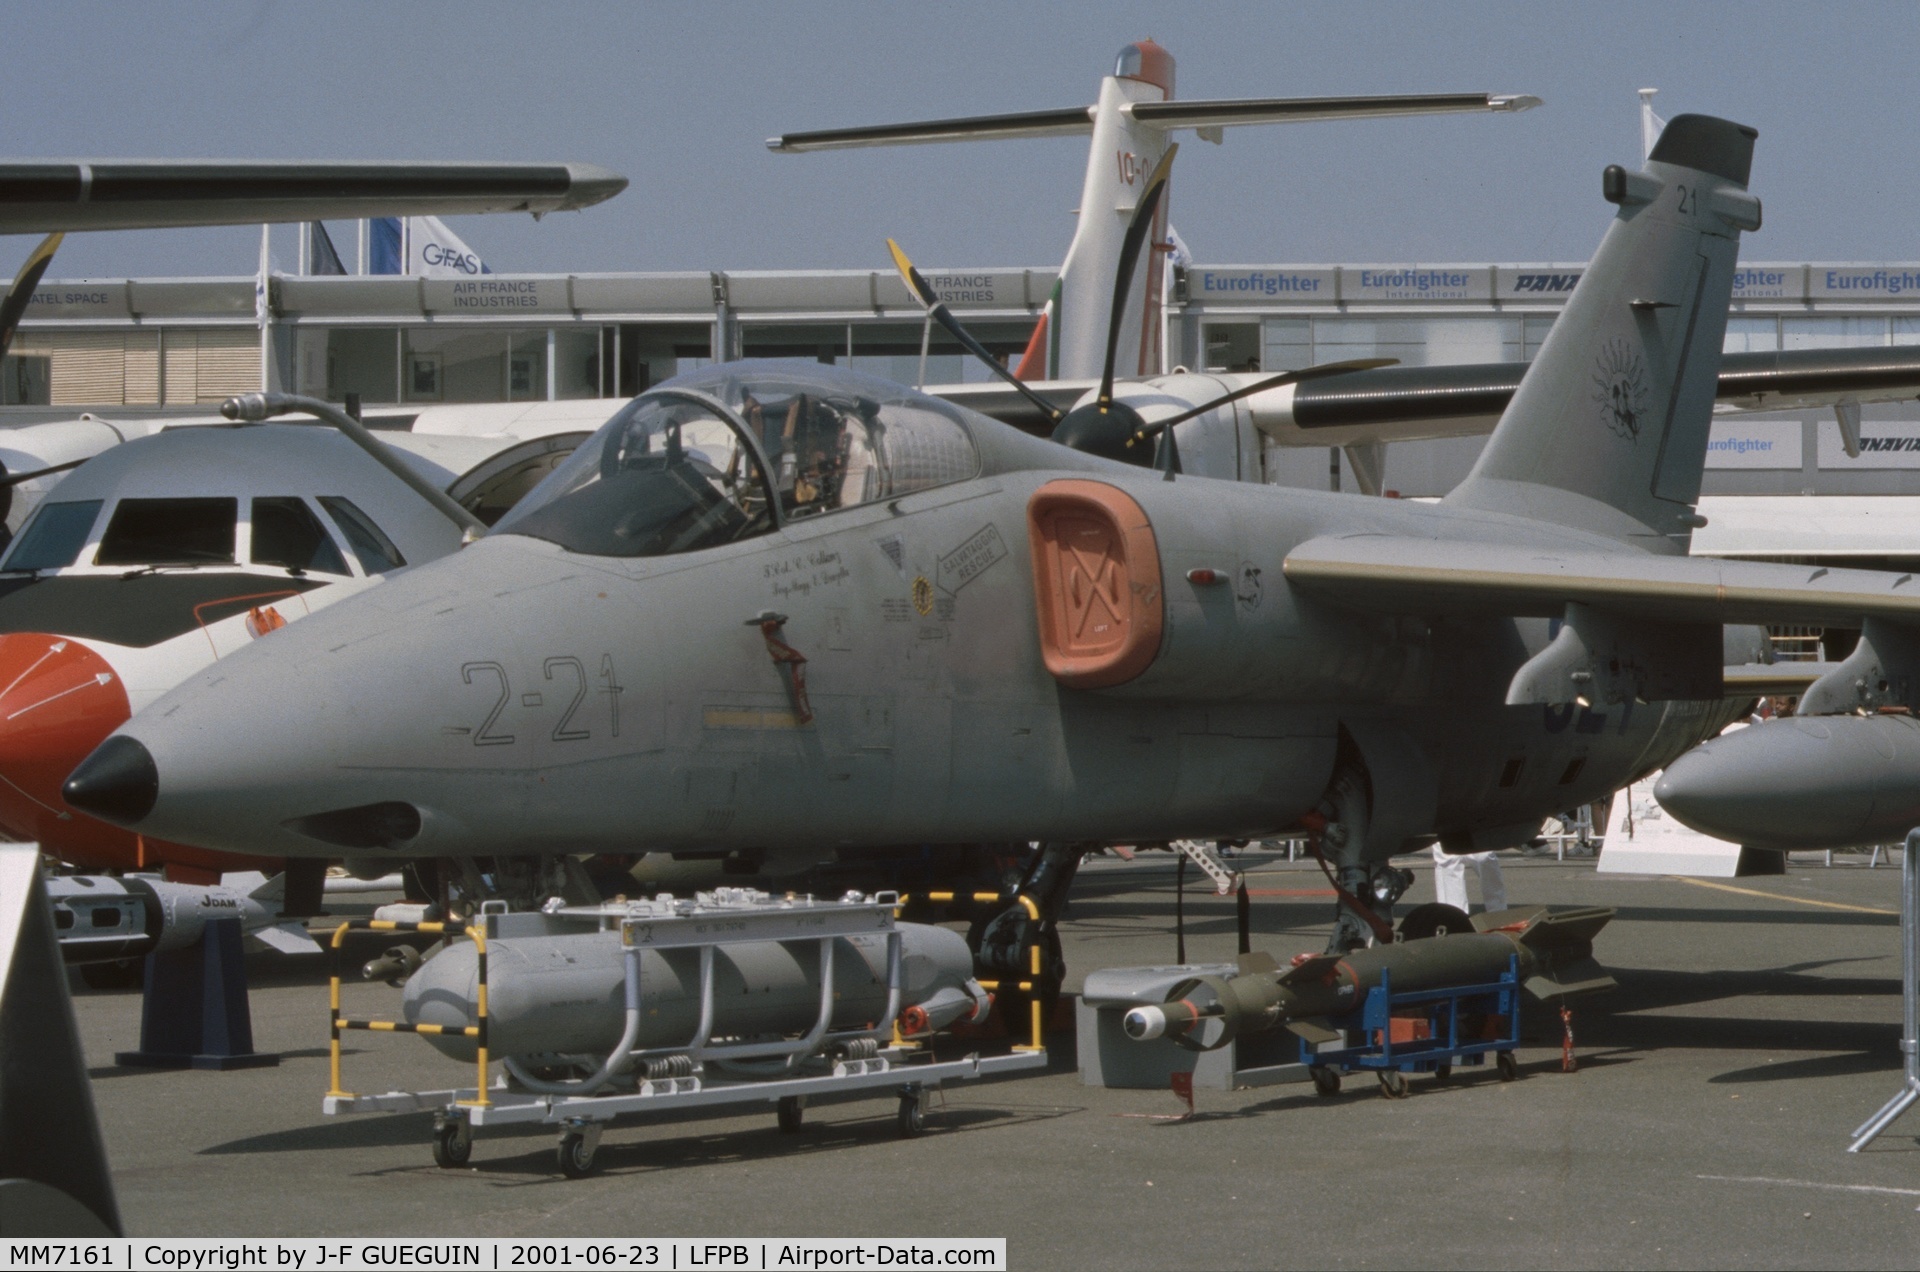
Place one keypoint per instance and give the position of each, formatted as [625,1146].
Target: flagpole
[262,309]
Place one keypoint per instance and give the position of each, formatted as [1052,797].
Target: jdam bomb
[1554,952]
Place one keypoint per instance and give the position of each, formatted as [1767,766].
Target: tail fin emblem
[1620,388]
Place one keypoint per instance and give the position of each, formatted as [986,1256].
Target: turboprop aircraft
[55,197]
[134,576]
[1081,344]
[157,557]
[788,605]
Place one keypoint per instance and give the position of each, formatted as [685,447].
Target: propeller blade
[1137,230]
[1261,386]
[14,479]
[14,307]
[938,311]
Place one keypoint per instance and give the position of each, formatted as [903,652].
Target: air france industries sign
[1755,444]
[1883,444]
[1863,282]
[495,294]
[983,288]
[1416,282]
[1278,285]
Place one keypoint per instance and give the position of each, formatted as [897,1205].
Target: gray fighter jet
[786,606]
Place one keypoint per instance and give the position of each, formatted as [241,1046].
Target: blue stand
[1442,1010]
[194,1013]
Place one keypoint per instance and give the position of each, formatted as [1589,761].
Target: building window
[1832,333]
[423,377]
[1752,335]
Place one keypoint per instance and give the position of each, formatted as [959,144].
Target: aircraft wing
[1773,680]
[1403,575]
[1071,121]
[38,196]
[1009,407]
[1395,404]
[1291,110]
[1078,120]
[1404,403]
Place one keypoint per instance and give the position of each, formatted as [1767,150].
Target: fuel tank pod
[1803,782]
[564,993]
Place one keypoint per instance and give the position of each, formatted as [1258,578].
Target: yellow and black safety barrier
[336,1022]
[1037,1039]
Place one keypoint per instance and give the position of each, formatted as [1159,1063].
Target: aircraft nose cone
[59,699]
[117,783]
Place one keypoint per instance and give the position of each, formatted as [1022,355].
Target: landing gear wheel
[1434,919]
[1393,1084]
[576,1157]
[452,1144]
[1508,1066]
[912,1119]
[1442,1072]
[792,1112]
[1326,1080]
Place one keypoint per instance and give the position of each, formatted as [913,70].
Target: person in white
[1450,879]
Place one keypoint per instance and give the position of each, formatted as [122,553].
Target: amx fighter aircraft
[792,607]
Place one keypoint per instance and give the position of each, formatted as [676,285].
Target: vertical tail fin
[1608,431]
[1123,152]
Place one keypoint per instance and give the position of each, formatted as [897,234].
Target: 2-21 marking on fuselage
[564,730]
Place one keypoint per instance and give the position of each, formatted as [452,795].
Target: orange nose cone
[58,701]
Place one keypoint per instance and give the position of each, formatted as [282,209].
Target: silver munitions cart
[822,1063]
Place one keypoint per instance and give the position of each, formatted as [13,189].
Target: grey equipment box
[1108,1058]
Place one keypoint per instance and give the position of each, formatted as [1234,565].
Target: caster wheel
[452,1144]
[1508,1066]
[576,1158]
[791,1112]
[1442,1072]
[1326,1080]
[1393,1084]
[912,1119]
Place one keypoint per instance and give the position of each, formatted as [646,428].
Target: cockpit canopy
[737,450]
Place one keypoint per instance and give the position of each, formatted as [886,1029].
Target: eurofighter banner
[1755,444]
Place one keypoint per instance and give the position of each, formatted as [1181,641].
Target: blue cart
[1438,1029]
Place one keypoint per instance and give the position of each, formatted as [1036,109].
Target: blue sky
[680,97]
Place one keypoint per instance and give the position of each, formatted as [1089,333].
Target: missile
[103,918]
[1554,949]
[565,993]
[1801,782]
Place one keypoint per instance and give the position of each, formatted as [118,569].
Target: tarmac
[1755,1026]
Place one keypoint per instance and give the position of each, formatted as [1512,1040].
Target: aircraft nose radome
[117,783]
[59,700]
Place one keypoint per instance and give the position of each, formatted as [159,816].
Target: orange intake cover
[1096,578]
